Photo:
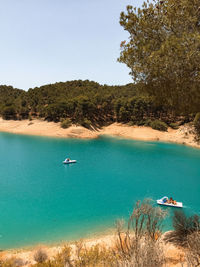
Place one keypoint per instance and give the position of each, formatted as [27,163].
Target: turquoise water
[42,200]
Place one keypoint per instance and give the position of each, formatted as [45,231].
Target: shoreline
[27,253]
[173,255]
[184,135]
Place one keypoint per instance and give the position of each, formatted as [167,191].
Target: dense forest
[163,54]
[86,103]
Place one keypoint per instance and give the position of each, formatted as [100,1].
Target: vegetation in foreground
[140,244]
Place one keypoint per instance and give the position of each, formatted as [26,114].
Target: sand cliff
[183,135]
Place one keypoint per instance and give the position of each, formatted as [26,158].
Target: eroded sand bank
[184,135]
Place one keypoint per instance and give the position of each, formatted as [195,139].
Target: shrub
[62,259]
[131,123]
[159,125]
[183,227]
[96,255]
[40,256]
[66,123]
[86,123]
[12,262]
[147,122]
[123,115]
[174,126]
[139,245]
[146,220]
[24,113]
[137,121]
[140,123]
[19,262]
[9,113]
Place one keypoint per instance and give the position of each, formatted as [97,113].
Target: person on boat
[165,200]
[169,201]
[172,201]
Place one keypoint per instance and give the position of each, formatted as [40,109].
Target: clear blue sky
[46,41]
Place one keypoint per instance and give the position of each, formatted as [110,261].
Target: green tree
[82,102]
[84,108]
[9,113]
[163,51]
[124,115]
[159,125]
[24,112]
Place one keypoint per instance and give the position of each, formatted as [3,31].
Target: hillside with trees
[163,54]
[86,103]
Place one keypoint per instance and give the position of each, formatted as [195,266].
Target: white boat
[69,161]
[164,201]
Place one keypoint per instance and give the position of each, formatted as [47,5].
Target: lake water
[42,200]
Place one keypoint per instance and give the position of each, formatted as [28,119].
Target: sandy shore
[184,135]
[174,256]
